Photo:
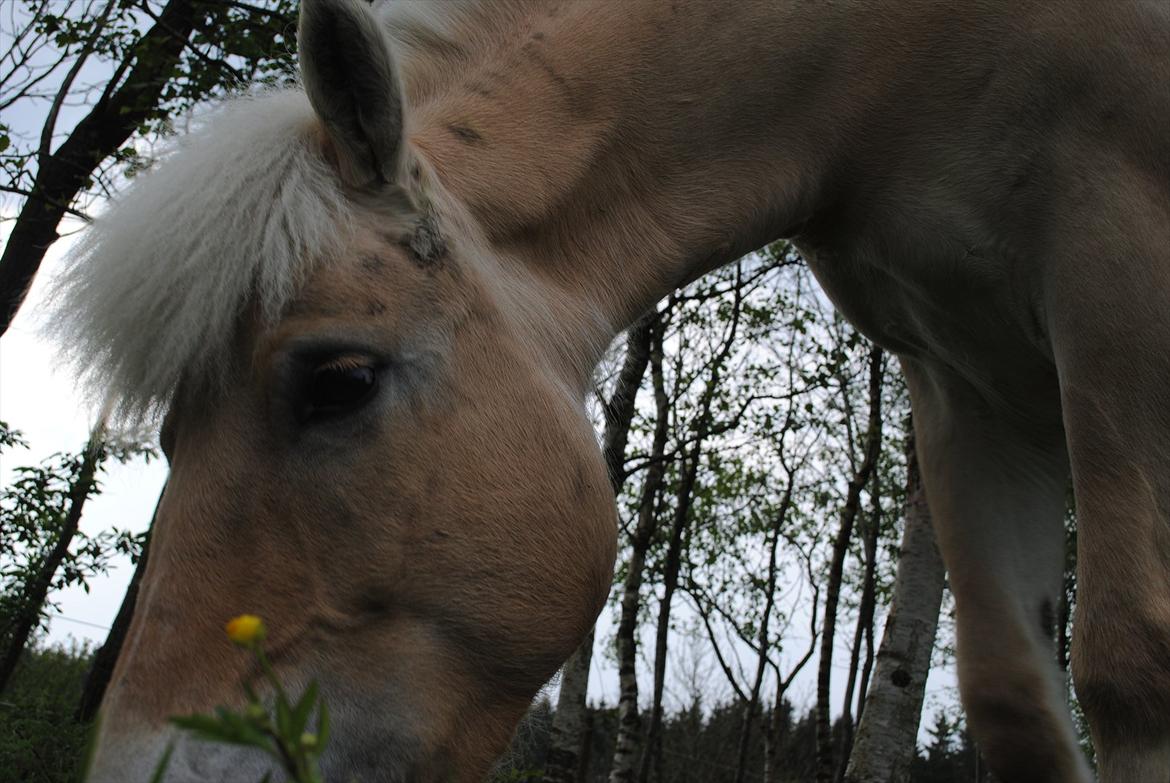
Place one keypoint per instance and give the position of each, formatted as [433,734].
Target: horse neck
[623,149]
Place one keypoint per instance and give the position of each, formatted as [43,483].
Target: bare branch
[26,194]
[67,84]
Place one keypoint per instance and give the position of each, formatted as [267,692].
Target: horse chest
[966,311]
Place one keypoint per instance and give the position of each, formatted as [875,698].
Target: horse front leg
[997,494]
[1111,339]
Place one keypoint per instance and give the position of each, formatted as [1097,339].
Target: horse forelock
[235,217]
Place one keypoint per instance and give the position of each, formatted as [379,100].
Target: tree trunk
[870,647]
[38,589]
[782,710]
[682,514]
[652,753]
[567,732]
[629,737]
[106,657]
[61,175]
[888,731]
[568,727]
[872,446]
[864,628]
[745,733]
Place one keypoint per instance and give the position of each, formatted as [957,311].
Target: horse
[366,310]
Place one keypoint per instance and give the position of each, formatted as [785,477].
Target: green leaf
[300,713]
[322,727]
[283,719]
[161,769]
[224,726]
[206,727]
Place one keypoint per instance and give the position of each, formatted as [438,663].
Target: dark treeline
[701,746]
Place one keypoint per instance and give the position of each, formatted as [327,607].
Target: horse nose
[136,757]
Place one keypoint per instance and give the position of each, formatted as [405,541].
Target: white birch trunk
[564,760]
[888,732]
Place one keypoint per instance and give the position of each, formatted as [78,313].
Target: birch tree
[857,482]
[887,733]
[628,742]
[569,723]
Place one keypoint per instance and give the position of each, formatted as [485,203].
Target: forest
[778,602]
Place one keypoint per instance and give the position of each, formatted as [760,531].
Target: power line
[79,622]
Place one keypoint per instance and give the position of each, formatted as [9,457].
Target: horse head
[375,426]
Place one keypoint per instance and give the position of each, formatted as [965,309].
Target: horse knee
[1121,669]
[1020,721]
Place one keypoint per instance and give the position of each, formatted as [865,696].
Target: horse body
[982,189]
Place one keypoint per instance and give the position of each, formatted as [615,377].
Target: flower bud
[246,630]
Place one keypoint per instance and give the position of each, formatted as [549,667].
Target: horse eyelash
[344,362]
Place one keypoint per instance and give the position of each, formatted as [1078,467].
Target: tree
[861,476]
[43,547]
[569,724]
[888,730]
[149,63]
[684,493]
[627,742]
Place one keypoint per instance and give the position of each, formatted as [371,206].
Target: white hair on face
[235,216]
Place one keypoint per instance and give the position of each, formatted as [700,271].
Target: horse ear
[348,72]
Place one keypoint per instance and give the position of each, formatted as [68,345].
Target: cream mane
[235,216]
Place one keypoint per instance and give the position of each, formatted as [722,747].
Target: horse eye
[336,389]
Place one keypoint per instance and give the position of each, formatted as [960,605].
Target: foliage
[232,46]
[33,512]
[39,740]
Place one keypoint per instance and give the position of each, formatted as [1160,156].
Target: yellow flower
[246,630]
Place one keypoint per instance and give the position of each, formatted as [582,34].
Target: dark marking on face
[982,82]
[373,263]
[900,678]
[576,99]
[425,244]
[480,89]
[1027,174]
[581,486]
[1112,115]
[375,308]
[375,600]
[465,133]
[1047,619]
[538,36]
